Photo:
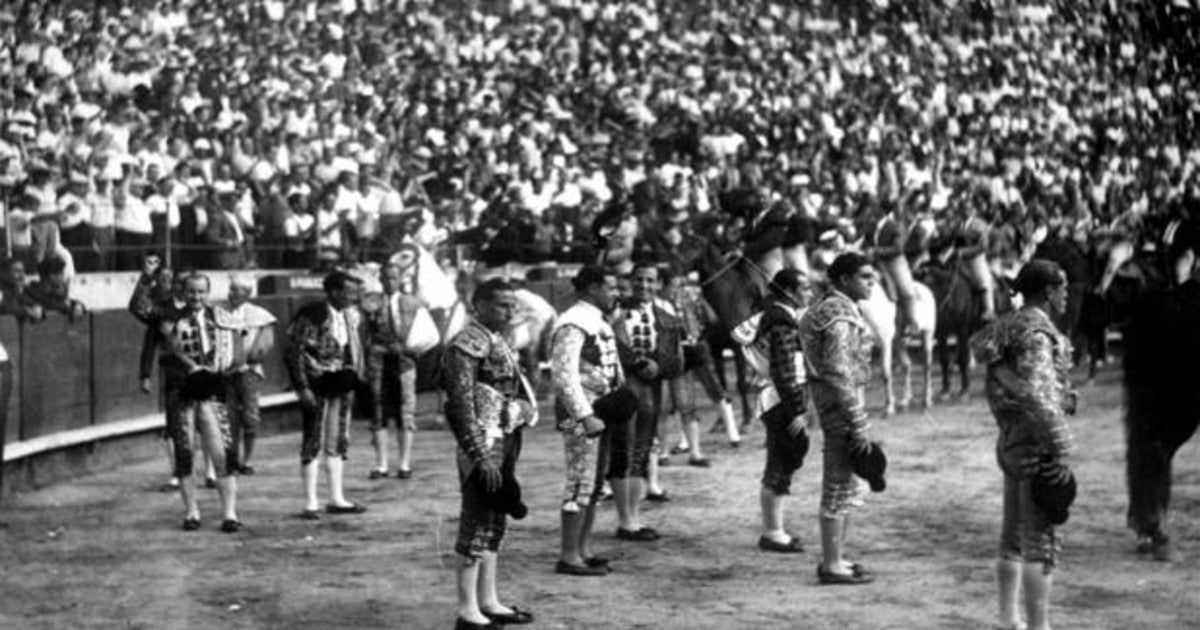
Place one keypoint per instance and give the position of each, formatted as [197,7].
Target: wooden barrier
[10,336]
[116,350]
[77,382]
[56,371]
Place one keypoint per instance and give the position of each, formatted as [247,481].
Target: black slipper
[858,575]
[517,617]
[596,561]
[791,546]
[311,515]
[231,526]
[191,524]
[657,497]
[353,508]
[644,534]
[566,568]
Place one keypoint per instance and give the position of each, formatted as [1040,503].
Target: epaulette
[473,340]
[831,310]
[777,315]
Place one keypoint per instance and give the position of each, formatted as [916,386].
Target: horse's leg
[962,347]
[743,385]
[943,352]
[1148,474]
[927,367]
[889,393]
[900,351]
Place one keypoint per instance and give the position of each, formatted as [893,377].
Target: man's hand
[147,385]
[308,399]
[796,426]
[1056,473]
[592,426]
[492,479]
[648,370]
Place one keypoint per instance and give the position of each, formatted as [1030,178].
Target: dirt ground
[106,551]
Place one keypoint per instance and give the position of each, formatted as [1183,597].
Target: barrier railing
[77,382]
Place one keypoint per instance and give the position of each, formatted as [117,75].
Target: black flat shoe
[583,570]
[231,526]
[517,617]
[858,575]
[353,508]
[596,561]
[377,474]
[644,534]
[699,462]
[463,624]
[657,497]
[311,515]
[403,474]
[210,483]
[246,470]
[791,546]
[191,524]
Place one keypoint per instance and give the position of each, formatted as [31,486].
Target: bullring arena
[724,147]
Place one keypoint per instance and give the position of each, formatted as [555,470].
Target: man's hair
[487,291]
[337,280]
[846,265]
[1038,275]
[590,276]
[646,264]
[196,275]
[786,281]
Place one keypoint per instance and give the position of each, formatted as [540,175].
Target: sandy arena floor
[106,551]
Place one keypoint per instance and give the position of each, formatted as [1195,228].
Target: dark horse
[960,309]
[1162,391]
[735,288]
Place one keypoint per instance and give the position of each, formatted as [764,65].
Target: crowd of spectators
[281,133]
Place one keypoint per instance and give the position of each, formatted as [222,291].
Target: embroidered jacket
[584,363]
[834,337]
[482,380]
[662,344]
[194,336]
[1028,385]
[314,348]
[780,329]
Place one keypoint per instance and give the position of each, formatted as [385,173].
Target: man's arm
[838,368]
[787,368]
[1037,384]
[301,334]
[459,370]
[564,369]
[141,303]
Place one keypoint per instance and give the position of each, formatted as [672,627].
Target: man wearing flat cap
[1029,391]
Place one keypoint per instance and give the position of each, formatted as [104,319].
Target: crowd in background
[276,133]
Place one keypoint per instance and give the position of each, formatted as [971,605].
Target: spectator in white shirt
[134,229]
